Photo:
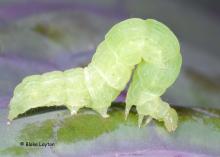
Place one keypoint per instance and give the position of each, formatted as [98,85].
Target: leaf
[87,134]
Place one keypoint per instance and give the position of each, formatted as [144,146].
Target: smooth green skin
[148,44]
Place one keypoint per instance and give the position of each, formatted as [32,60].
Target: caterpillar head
[171,120]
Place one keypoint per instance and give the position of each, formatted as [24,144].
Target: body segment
[147,44]
[159,69]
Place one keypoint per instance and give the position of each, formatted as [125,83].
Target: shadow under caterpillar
[147,44]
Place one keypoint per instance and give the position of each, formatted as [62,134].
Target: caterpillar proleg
[148,45]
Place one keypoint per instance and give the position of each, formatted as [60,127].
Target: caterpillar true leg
[148,120]
[144,92]
[158,70]
[159,110]
[148,44]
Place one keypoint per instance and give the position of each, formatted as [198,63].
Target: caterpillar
[144,51]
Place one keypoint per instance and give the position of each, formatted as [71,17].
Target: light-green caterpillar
[146,48]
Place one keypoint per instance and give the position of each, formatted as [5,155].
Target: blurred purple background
[37,36]
[43,35]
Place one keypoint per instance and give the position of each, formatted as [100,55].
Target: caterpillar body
[148,45]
